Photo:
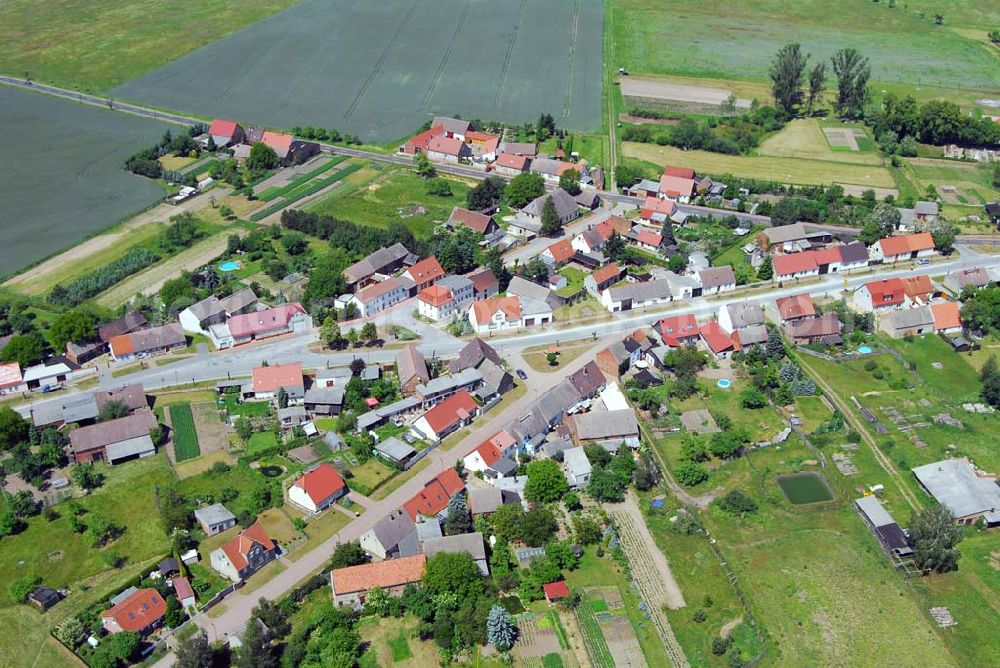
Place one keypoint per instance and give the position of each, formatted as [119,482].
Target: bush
[737,503]
[21,587]
[752,399]
[690,473]
[720,645]
[699,616]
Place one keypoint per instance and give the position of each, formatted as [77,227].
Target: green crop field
[380,69]
[184,435]
[99,44]
[394,195]
[63,178]
[737,40]
[785,170]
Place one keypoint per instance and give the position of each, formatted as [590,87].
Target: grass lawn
[121,40]
[536,356]
[278,525]
[247,408]
[400,648]
[392,195]
[62,558]
[784,170]
[813,412]
[25,640]
[320,528]
[239,477]
[183,432]
[260,441]
[804,138]
[326,424]
[574,281]
[189,397]
[369,476]
[263,576]
[394,642]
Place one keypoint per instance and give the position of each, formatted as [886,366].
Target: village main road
[239,606]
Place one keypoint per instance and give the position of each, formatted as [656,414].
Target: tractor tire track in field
[381,61]
[446,57]
[510,53]
[571,60]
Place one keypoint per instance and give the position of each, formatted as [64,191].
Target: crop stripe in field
[571,60]
[593,636]
[185,436]
[381,61]
[510,53]
[446,57]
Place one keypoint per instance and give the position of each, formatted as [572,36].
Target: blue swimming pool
[865,350]
[229,265]
[724,383]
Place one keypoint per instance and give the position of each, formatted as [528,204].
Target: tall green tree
[13,428]
[817,84]
[458,520]
[546,482]
[487,194]
[25,349]
[74,325]
[262,158]
[570,181]
[523,188]
[765,272]
[934,537]
[853,72]
[787,75]
[194,652]
[500,628]
[550,218]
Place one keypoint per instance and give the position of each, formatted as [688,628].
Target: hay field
[98,44]
[803,138]
[379,70]
[785,170]
[738,39]
[62,173]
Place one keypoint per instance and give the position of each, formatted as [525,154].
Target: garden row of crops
[184,434]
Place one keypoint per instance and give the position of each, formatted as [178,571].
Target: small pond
[803,488]
[271,471]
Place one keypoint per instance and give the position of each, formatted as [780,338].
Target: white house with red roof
[906,247]
[274,321]
[419,142]
[678,330]
[453,413]
[433,499]
[267,380]
[677,184]
[378,297]
[245,554]
[646,239]
[559,253]
[448,149]
[318,488]
[718,341]
[225,133]
[140,612]
[424,273]
[495,313]
[656,211]
[11,379]
[888,293]
[483,145]
[794,265]
[446,298]
[475,221]
[490,451]
[509,164]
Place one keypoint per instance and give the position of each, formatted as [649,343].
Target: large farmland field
[62,173]
[736,40]
[380,69]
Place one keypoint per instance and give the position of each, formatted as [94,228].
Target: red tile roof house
[678,330]
[483,145]
[719,343]
[225,133]
[448,149]
[918,289]
[495,313]
[141,612]
[274,321]
[114,441]
[432,500]
[419,143]
[795,307]
[558,253]
[555,591]
[896,249]
[245,554]
[185,593]
[509,164]
[484,284]
[350,585]
[646,240]
[676,188]
[147,342]
[793,266]
[490,451]
[317,489]
[888,293]
[453,413]
[268,379]
[947,318]
[602,279]
[475,221]
[378,297]
[656,211]
[425,273]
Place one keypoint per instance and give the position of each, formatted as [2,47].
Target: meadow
[379,70]
[718,39]
[801,171]
[99,44]
[63,176]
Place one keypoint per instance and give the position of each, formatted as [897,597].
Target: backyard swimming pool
[229,265]
[724,383]
[865,350]
[803,488]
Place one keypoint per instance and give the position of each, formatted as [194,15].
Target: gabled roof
[606,273]
[555,590]
[483,280]
[434,497]
[475,221]
[655,205]
[485,308]
[278,141]
[493,447]
[447,145]
[270,378]
[564,202]
[126,324]
[239,300]
[410,363]
[793,263]
[613,224]
[561,250]
[827,324]
[133,396]
[472,355]
[649,238]
[955,484]
[453,125]
[512,161]
[680,172]
[420,141]
[716,338]
[743,314]
[376,290]
[428,269]
[385,574]
[717,277]
[796,306]
[456,408]
[321,483]
[103,434]
[469,543]
[946,315]
[376,262]
[529,149]
[550,166]
[855,251]
[435,295]
[918,286]
[144,340]
[588,380]
[605,425]
[276,317]
[677,327]
[239,546]
[222,128]
[828,255]
[886,291]
[138,611]
[676,186]
[908,243]
[207,308]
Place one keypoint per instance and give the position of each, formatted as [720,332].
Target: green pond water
[803,488]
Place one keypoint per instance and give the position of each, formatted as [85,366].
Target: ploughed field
[380,69]
[62,173]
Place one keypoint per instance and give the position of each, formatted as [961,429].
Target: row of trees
[146,162]
[793,88]
[938,122]
[733,136]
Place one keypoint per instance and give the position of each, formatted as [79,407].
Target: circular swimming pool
[229,265]
[865,350]
[724,383]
